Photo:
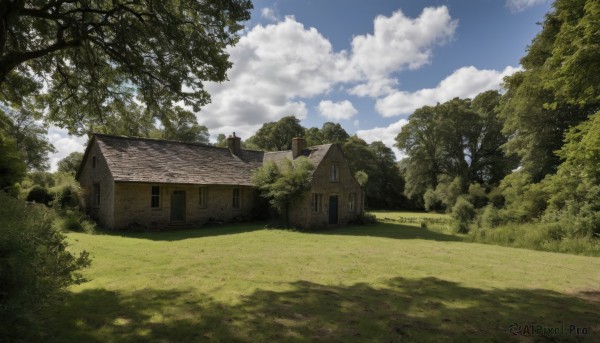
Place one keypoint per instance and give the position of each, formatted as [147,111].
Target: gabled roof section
[314,153]
[161,161]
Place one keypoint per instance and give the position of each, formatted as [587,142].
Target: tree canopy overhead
[91,57]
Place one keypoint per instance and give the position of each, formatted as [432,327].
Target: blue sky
[364,64]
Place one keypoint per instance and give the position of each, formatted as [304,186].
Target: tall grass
[537,236]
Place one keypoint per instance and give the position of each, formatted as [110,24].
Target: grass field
[386,282]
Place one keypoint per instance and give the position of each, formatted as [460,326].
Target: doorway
[333,209]
[178,206]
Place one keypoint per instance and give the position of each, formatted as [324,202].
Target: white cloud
[337,110]
[277,65]
[64,144]
[521,5]
[375,87]
[399,42]
[269,14]
[274,66]
[465,82]
[385,134]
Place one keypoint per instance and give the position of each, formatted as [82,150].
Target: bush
[430,200]
[463,211]
[40,195]
[74,221]
[364,219]
[34,265]
[490,217]
[477,195]
[537,236]
[66,196]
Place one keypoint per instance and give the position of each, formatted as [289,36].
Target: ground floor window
[96,195]
[202,197]
[351,202]
[316,202]
[236,203]
[155,197]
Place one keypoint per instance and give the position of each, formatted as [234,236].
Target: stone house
[141,182]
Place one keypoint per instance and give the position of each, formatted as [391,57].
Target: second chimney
[297,147]
[235,144]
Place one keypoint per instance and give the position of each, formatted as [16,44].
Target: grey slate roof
[159,161]
[314,153]
[132,159]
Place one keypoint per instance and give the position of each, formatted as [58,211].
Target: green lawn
[380,283]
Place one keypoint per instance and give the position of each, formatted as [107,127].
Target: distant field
[380,283]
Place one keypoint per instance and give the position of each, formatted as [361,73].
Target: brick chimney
[297,146]
[235,144]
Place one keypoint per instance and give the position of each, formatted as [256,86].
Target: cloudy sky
[365,64]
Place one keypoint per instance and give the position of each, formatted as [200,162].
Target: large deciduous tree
[383,183]
[30,139]
[558,88]
[89,57]
[457,139]
[277,136]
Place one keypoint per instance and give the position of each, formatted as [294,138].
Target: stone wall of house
[102,211]
[133,205]
[301,213]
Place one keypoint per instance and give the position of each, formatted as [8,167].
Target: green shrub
[490,217]
[477,195]
[463,212]
[537,236]
[430,200]
[364,219]
[66,196]
[76,221]
[34,264]
[40,195]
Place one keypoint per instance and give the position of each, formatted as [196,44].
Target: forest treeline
[518,167]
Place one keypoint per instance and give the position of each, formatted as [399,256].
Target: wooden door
[178,206]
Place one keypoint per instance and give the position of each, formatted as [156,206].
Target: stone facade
[98,187]
[143,183]
[316,209]
[133,204]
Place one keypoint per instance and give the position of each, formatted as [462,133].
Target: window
[316,202]
[236,198]
[96,195]
[351,202]
[93,161]
[334,173]
[155,197]
[202,197]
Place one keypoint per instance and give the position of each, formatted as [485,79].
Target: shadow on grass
[176,234]
[381,229]
[390,230]
[428,309]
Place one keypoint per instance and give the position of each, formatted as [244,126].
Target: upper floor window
[316,202]
[155,197]
[335,174]
[236,201]
[202,197]
[93,161]
[351,202]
